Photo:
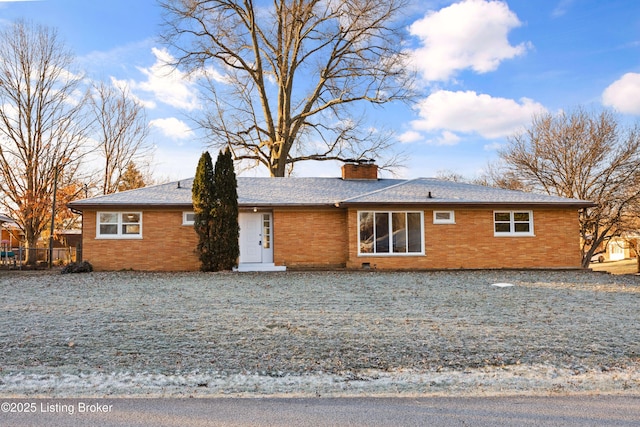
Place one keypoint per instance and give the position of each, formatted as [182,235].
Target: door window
[266,231]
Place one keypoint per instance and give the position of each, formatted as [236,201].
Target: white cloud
[493,146]
[470,34]
[562,8]
[167,84]
[445,138]
[125,85]
[624,94]
[173,128]
[410,136]
[470,112]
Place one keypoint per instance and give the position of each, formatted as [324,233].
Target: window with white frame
[188,218]
[119,225]
[390,233]
[444,217]
[513,223]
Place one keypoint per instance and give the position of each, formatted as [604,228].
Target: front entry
[256,241]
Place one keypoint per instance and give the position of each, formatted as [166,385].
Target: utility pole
[53,217]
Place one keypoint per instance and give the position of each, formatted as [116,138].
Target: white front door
[266,238]
[255,237]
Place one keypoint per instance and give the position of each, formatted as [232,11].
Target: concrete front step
[258,266]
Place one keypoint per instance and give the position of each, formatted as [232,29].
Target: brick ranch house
[357,221]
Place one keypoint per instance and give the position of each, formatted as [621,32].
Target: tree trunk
[277,170]
[30,250]
[278,166]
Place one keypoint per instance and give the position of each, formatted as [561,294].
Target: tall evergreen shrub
[204,202]
[226,230]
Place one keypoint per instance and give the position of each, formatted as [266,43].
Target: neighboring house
[7,255]
[357,221]
[64,244]
[10,234]
[618,248]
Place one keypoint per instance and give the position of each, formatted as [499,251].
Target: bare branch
[291,69]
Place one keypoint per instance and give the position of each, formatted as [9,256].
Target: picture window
[390,233]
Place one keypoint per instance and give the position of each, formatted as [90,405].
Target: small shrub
[78,267]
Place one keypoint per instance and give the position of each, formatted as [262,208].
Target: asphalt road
[500,411]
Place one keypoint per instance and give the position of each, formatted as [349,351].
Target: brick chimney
[367,170]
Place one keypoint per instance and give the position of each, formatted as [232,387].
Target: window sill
[514,235]
[415,254]
[120,237]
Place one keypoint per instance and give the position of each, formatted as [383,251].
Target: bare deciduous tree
[296,77]
[122,129]
[583,155]
[452,176]
[495,175]
[41,124]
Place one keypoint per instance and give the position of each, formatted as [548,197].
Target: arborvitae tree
[225,218]
[204,202]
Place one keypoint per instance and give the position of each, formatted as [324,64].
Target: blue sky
[485,67]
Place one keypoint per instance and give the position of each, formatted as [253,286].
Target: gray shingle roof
[435,191]
[331,191]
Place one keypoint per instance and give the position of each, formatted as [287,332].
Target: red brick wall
[310,237]
[166,244]
[470,243]
[319,238]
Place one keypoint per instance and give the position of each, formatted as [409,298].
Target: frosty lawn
[319,333]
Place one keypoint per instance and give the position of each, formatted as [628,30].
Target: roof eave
[93,206]
[468,204]
[578,204]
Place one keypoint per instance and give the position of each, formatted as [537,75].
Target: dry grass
[627,266]
[348,325]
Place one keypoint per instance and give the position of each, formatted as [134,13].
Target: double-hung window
[513,223]
[119,225]
[390,233]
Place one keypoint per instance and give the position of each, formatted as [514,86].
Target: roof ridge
[380,190]
[146,187]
